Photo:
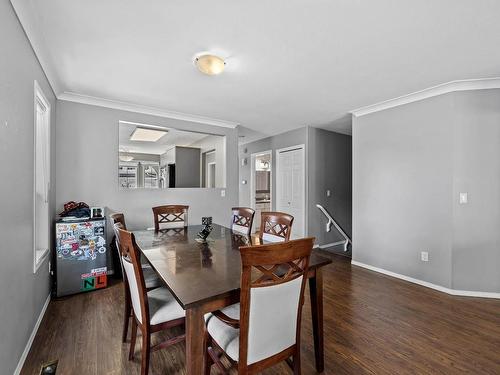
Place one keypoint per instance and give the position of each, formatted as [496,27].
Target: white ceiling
[173,138]
[290,63]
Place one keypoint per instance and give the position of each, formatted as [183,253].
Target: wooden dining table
[204,277]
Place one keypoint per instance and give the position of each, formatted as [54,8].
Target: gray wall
[291,138]
[329,167]
[23,293]
[476,236]
[409,165]
[87,162]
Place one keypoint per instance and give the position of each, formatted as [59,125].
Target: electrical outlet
[464,198]
[222,193]
[424,256]
[328,193]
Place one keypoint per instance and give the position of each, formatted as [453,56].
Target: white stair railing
[331,221]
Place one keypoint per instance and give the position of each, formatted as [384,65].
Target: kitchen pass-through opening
[261,185]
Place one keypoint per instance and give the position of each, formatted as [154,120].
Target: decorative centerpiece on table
[203,234]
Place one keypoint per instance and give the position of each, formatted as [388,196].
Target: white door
[290,186]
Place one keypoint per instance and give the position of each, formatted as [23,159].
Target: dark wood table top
[199,272]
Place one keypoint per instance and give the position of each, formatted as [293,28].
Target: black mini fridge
[81,262]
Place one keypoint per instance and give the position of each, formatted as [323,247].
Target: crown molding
[29,23]
[445,88]
[25,13]
[137,108]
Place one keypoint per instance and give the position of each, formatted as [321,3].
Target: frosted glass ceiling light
[210,64]
[147,134]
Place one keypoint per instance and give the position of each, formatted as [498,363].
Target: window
[41,226]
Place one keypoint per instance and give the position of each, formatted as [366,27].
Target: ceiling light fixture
[147,134]
[210,64]
[126,158]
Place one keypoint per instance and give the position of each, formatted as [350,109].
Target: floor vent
[49,368]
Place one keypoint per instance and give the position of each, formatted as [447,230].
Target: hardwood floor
[374,324]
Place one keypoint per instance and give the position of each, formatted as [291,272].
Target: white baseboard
[327,245]
[454,292]
[32,337]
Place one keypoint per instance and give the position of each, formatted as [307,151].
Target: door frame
[304,175]
[252,176]
[209,174]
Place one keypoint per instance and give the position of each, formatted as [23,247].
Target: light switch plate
[424,256]
[464,198]
[222,193]
[328,193]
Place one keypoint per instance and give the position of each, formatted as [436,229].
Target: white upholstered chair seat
[272,238]
[151,278]
[173,225]
[163,307]
[228,338]
[240,229]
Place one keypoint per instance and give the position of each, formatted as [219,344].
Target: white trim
[327,245]
[253,156]
[252,176]
[304,175]
[458,85]
[39,96]
[427,284]
[27,348]
[138,108]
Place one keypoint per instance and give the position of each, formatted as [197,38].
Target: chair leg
[296,363]
[126,317]
[132,340]
[208,358]
[146,349]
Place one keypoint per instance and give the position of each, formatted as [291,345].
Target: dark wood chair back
[273,276]
[131,262]
[242,219]
[116,229]
[118,218]
[170,216]
[275,226]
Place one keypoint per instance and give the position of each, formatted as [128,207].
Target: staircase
[331,222]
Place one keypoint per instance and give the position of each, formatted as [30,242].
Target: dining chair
[117,218]
[275,226]
[242,220]
[153,310]
[151,279]
[264,328]
[170,216]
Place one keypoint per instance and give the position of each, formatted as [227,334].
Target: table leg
[195,341]
[316,292]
